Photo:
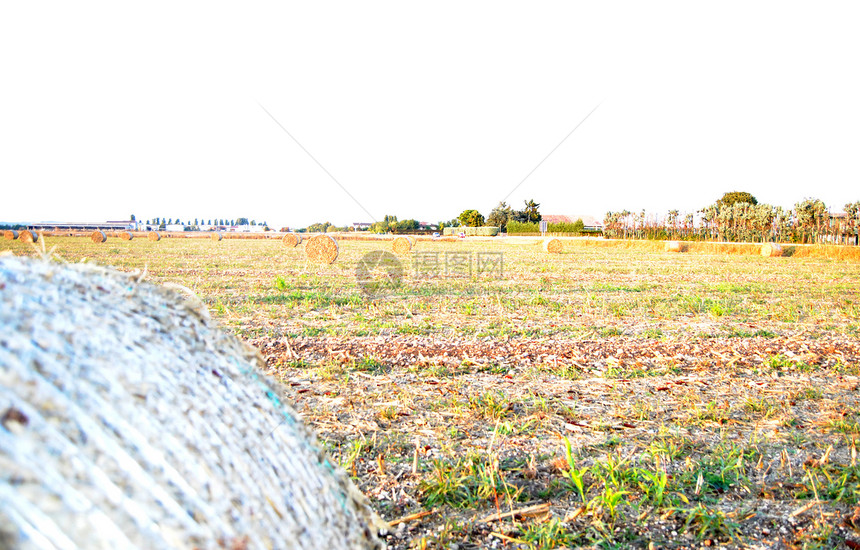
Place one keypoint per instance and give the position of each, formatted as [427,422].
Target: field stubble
[603,396]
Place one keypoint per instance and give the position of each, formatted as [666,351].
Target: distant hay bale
[216,236]
[189,445]
[153,236]
[402,245]
[10,234]
[322,249]
[28,236]
[98,236]
[673,246]
[292,240]
[126,236]
[769,250]
[553,246]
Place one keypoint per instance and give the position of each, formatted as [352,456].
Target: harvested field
[614,396]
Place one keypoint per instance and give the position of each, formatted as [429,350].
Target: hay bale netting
[10,234]
[126,235]
[292,240]
[153,236]
[151,428]
[771,250]
[98,236]
[552,246]
[216,236]
[28,236]
[402,245]
[673,246]
[322,249]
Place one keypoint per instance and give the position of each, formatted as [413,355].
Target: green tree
[733,197]
[132,218]
[529,214]
[812,216]
[500,215]
[405,226]
[471,218]
[241,221]
[319,227]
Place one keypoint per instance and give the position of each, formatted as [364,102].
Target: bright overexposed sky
[422,110]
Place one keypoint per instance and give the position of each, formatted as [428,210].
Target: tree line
[739,217]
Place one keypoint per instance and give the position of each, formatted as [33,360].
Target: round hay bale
[402,245]
[771,250]
[28,236]
[187,446]
[673,246]
[292,240]
[552,246]
[126,236]
[98,236]
[322,249]
[216,236]
[153,236]
[10,234]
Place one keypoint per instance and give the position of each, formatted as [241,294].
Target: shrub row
[485,231]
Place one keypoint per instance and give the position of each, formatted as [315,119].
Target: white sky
[422,110]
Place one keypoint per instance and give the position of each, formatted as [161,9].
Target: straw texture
[130,420]
[402,245]
[28,236]
[10,234]
[292,240]
[153,236]
[552,246]
[322,249]
[771,250]
[98,236]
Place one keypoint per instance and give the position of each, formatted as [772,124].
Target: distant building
[361,226]
[125,225]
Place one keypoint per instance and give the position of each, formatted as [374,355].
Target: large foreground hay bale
[292,240]
[28,236]
[153,236]
[216,236]
[126,235]
[10,234]
[322,249]
[553,246]
[402,245]
[130,420]
[771,250]
[98,236]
